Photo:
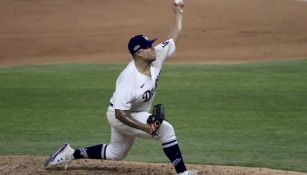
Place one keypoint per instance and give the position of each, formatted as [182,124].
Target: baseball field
[235,91]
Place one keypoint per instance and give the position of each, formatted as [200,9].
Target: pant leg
[120,145]
[117,149]
[123,137]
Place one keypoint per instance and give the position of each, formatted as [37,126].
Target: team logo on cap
[145,37]
[136,47]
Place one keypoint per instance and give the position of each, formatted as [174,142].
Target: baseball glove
[155,120]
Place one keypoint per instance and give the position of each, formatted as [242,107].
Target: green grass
[245,114]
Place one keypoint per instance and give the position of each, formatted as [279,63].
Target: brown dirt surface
[20,165]
[97,31]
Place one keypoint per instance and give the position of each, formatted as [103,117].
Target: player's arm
[126,118]
[177,25]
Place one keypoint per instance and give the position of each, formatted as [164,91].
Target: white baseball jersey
[134,90]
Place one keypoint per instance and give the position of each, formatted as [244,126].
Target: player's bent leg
[170,146]
[116,150]
[119,146]
[121,141]
[167,138]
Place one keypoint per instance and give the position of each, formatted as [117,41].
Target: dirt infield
[227,31]
[97,31]
[19,165]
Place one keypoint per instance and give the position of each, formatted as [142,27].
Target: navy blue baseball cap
[139,42]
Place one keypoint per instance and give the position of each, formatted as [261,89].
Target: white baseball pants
[123,136]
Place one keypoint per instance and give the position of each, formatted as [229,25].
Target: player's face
[149,54]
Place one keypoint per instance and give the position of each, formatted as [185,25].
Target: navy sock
[92,152]
[172,151]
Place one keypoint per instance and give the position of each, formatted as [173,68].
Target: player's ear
[139,53]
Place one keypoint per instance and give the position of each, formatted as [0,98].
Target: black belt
[111,104]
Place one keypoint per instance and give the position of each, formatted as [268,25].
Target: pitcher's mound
[35,165]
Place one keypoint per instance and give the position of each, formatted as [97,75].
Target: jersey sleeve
[122,97]
[165,49]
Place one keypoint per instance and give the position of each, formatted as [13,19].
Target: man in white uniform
[131,102]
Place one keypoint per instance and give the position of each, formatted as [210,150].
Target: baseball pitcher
[130,106]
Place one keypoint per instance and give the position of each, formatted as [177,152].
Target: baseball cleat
[189,173]
[62,155]
[185,173]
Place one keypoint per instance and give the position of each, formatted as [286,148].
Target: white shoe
[185,173]
[62,155]
[193,172]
